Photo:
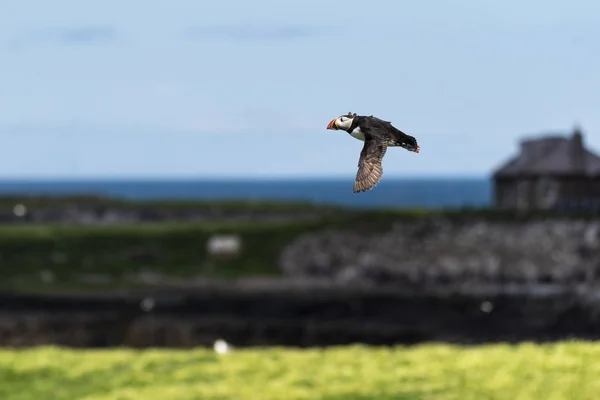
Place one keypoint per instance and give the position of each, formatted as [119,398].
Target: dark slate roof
[551,155]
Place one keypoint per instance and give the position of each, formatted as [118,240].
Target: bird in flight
[378,135]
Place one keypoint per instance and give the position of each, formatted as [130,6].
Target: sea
[425,193]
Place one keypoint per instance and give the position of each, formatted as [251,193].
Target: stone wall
[307,314]
[438,251]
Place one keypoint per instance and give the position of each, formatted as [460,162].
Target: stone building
[550,172]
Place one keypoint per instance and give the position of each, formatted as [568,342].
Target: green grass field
[533,372]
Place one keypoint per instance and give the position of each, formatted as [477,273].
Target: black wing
[370,169]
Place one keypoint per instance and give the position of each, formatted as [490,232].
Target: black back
[379,129]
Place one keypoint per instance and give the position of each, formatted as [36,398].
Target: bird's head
[410,144]
[343,122]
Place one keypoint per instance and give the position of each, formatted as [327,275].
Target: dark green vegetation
[105,203]
[169,248]
[225,207]
[563,371]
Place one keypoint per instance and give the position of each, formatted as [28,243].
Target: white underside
[357,134]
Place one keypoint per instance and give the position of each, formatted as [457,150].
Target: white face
[344,122]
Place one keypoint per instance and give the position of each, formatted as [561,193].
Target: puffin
[377,136]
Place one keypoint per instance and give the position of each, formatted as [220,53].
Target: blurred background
[167,182]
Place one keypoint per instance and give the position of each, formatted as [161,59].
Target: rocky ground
[440,251]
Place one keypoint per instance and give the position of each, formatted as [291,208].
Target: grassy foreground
[550,372]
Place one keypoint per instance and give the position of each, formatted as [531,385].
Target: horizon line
[236,178]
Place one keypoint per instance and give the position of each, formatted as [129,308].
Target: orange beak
[331,124]
[417,149]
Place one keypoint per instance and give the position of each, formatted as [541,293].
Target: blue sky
[234,88]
